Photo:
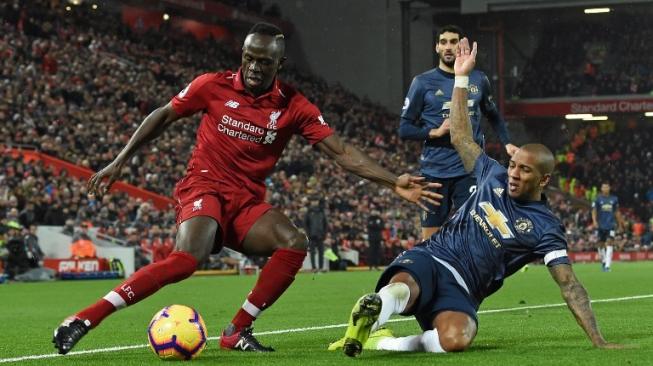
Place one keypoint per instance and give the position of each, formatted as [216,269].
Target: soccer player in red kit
[248,118]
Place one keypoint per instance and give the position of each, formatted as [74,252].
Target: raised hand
[511,149]
[465,58]
[415,189]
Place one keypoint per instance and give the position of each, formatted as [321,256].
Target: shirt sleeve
[411,112]
[311,124]
[491,112]
[486,167]
[553,247]
[193,98]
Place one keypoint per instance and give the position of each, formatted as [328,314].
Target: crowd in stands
[591,58]
[619,154]
[76,85]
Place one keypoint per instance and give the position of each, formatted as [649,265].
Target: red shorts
[235,207]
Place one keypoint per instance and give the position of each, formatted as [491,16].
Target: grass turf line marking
[320,327]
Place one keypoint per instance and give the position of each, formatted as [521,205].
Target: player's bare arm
[578,302]
[408,187]
[461,128]
[435,133]
[152,127]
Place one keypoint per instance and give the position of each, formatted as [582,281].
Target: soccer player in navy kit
[605,216]
[504,225]
[424,117]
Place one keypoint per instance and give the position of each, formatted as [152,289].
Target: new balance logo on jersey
[197,205]
[232,104]
[439,93]
[498,191]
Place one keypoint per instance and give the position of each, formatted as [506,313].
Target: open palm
[465,58]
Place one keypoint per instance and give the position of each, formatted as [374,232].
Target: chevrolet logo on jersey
[447,105]
[496,219]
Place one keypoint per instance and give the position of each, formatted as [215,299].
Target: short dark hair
[267,29]
[450,28]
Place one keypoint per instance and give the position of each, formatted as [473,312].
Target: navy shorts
[455,192]
[439,290]
[605,234]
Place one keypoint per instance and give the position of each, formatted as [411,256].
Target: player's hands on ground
[435,133]
[511,149]
[465,58]
[111,171]
[416,190]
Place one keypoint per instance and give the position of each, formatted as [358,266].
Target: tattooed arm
[461,128]
[578,302]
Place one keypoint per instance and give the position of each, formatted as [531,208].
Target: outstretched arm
[355,161]
[461,128]
[152,127]
[578,302]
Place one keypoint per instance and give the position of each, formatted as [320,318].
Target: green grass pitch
[544,336]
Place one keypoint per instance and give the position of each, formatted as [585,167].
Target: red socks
[275,278]
[141,284]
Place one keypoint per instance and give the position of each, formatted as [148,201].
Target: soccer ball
[177,331]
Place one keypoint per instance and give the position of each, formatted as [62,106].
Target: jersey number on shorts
[496,219]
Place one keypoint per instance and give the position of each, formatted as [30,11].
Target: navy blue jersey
[492,235]
[606,209]
[428,104]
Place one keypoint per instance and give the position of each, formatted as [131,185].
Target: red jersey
[242,136]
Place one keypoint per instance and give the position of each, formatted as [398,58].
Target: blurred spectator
[17,261]
[374,228]
[83,248]
[315,223]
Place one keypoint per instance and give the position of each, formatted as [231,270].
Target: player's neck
[445,68]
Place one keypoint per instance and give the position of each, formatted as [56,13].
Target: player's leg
[272,234]
[602,237]
[320,254]
[312,251]
[609,250]
[195,239]
[405,286]
[461,189]
[433,219]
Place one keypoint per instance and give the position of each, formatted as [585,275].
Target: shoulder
[479,77]
[209,79]
[427,75]
[290,93]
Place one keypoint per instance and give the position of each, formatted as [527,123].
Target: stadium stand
[591,58]
[77,84]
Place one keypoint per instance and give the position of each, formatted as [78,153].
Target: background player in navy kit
[605,216]
[503,226]
[425,118]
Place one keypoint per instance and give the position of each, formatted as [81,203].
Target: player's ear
[544,181]
[281,62]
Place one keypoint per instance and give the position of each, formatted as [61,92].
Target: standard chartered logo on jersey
[248,131]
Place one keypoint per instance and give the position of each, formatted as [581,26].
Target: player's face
[261,60]
[447,47]
[525,182]
[605,189]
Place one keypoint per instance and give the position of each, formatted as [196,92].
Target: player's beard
[447,63]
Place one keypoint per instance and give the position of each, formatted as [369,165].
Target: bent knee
[454,341]
[297,241]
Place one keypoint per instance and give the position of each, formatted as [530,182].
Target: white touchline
[306,329]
